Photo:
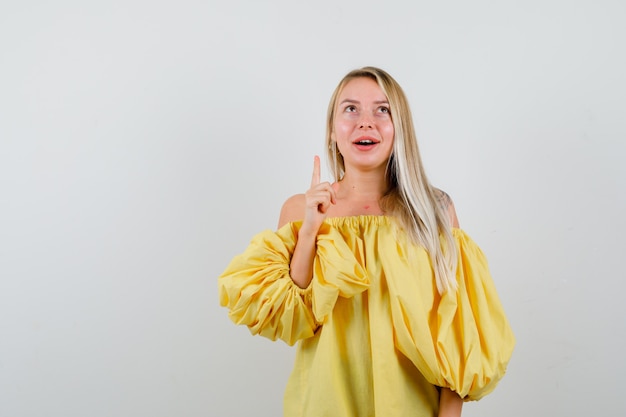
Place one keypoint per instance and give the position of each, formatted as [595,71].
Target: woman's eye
[350,108]
[384,110]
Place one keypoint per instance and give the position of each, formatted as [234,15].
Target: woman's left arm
[450,404]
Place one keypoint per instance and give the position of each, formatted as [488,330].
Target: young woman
[392,305]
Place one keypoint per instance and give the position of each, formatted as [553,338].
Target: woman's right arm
[314,205]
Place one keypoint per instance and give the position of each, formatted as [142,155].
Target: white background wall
[143,143]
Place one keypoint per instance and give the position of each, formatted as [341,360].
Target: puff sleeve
[460,339]
[258,291]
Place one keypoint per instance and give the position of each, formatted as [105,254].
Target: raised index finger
[316,171]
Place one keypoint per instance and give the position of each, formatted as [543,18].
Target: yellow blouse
[374,336]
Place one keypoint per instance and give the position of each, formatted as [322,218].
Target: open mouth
[365,142]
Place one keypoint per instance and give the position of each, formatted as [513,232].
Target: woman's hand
[314,205]
[318,199]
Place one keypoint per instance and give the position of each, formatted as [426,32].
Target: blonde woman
[391,304]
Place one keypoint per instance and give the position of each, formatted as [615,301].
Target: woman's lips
[365,142]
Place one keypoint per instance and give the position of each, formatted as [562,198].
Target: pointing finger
[316,171]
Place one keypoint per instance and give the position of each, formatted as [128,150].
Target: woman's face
[363,128]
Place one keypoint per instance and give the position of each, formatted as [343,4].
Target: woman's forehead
[362,89]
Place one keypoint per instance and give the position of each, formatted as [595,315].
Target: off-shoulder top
[375,337]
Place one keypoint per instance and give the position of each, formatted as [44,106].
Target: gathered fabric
[375,338]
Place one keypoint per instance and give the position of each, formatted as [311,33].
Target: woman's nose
[365,123]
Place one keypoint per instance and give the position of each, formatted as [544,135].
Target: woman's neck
[362,186]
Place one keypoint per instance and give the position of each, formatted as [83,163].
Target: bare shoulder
[292,210]
[446,202]
[442,197]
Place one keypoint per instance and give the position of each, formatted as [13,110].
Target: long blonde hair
[410,197]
